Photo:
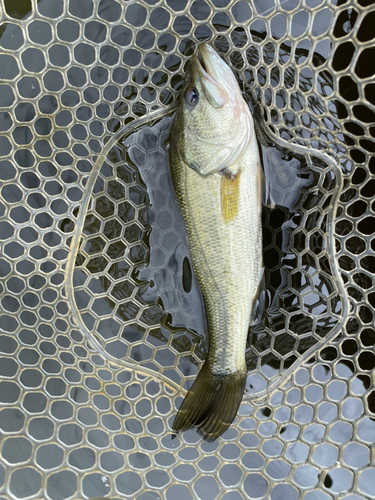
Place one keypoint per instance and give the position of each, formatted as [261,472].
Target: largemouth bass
[215,167]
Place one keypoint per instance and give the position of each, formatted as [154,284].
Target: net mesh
[102,324]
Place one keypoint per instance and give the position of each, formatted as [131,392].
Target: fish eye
[191,95]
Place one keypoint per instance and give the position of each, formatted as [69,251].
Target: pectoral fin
[230,193]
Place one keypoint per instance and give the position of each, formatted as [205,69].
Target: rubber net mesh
[102,326]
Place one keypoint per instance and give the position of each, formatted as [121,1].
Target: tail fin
[211,404]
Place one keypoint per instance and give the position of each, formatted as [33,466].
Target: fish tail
[212,403]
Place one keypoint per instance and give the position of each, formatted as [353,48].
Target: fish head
[213,125]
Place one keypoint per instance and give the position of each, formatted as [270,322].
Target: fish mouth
[209,72]
[200,60]
[205,60]
[198,65]
[204,66]
[210,65]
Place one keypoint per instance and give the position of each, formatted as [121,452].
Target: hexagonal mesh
[102,324]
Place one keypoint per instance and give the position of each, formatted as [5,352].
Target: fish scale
[225,242]
[226,257]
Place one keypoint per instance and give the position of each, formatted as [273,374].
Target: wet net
[102,325]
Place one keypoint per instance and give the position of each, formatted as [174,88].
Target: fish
[217,178]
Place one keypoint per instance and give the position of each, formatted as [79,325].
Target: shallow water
[301,290]
[134,192]
[153,287]
[299,303]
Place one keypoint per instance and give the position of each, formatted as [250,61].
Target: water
[140,303]
[153,309]
[145,290]
[157,272]
[301,285]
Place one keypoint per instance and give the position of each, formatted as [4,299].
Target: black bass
[216,173]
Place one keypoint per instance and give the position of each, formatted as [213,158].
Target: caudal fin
[211,404]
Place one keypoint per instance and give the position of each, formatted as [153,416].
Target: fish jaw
[216,78]
[218,70]
[215,93]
